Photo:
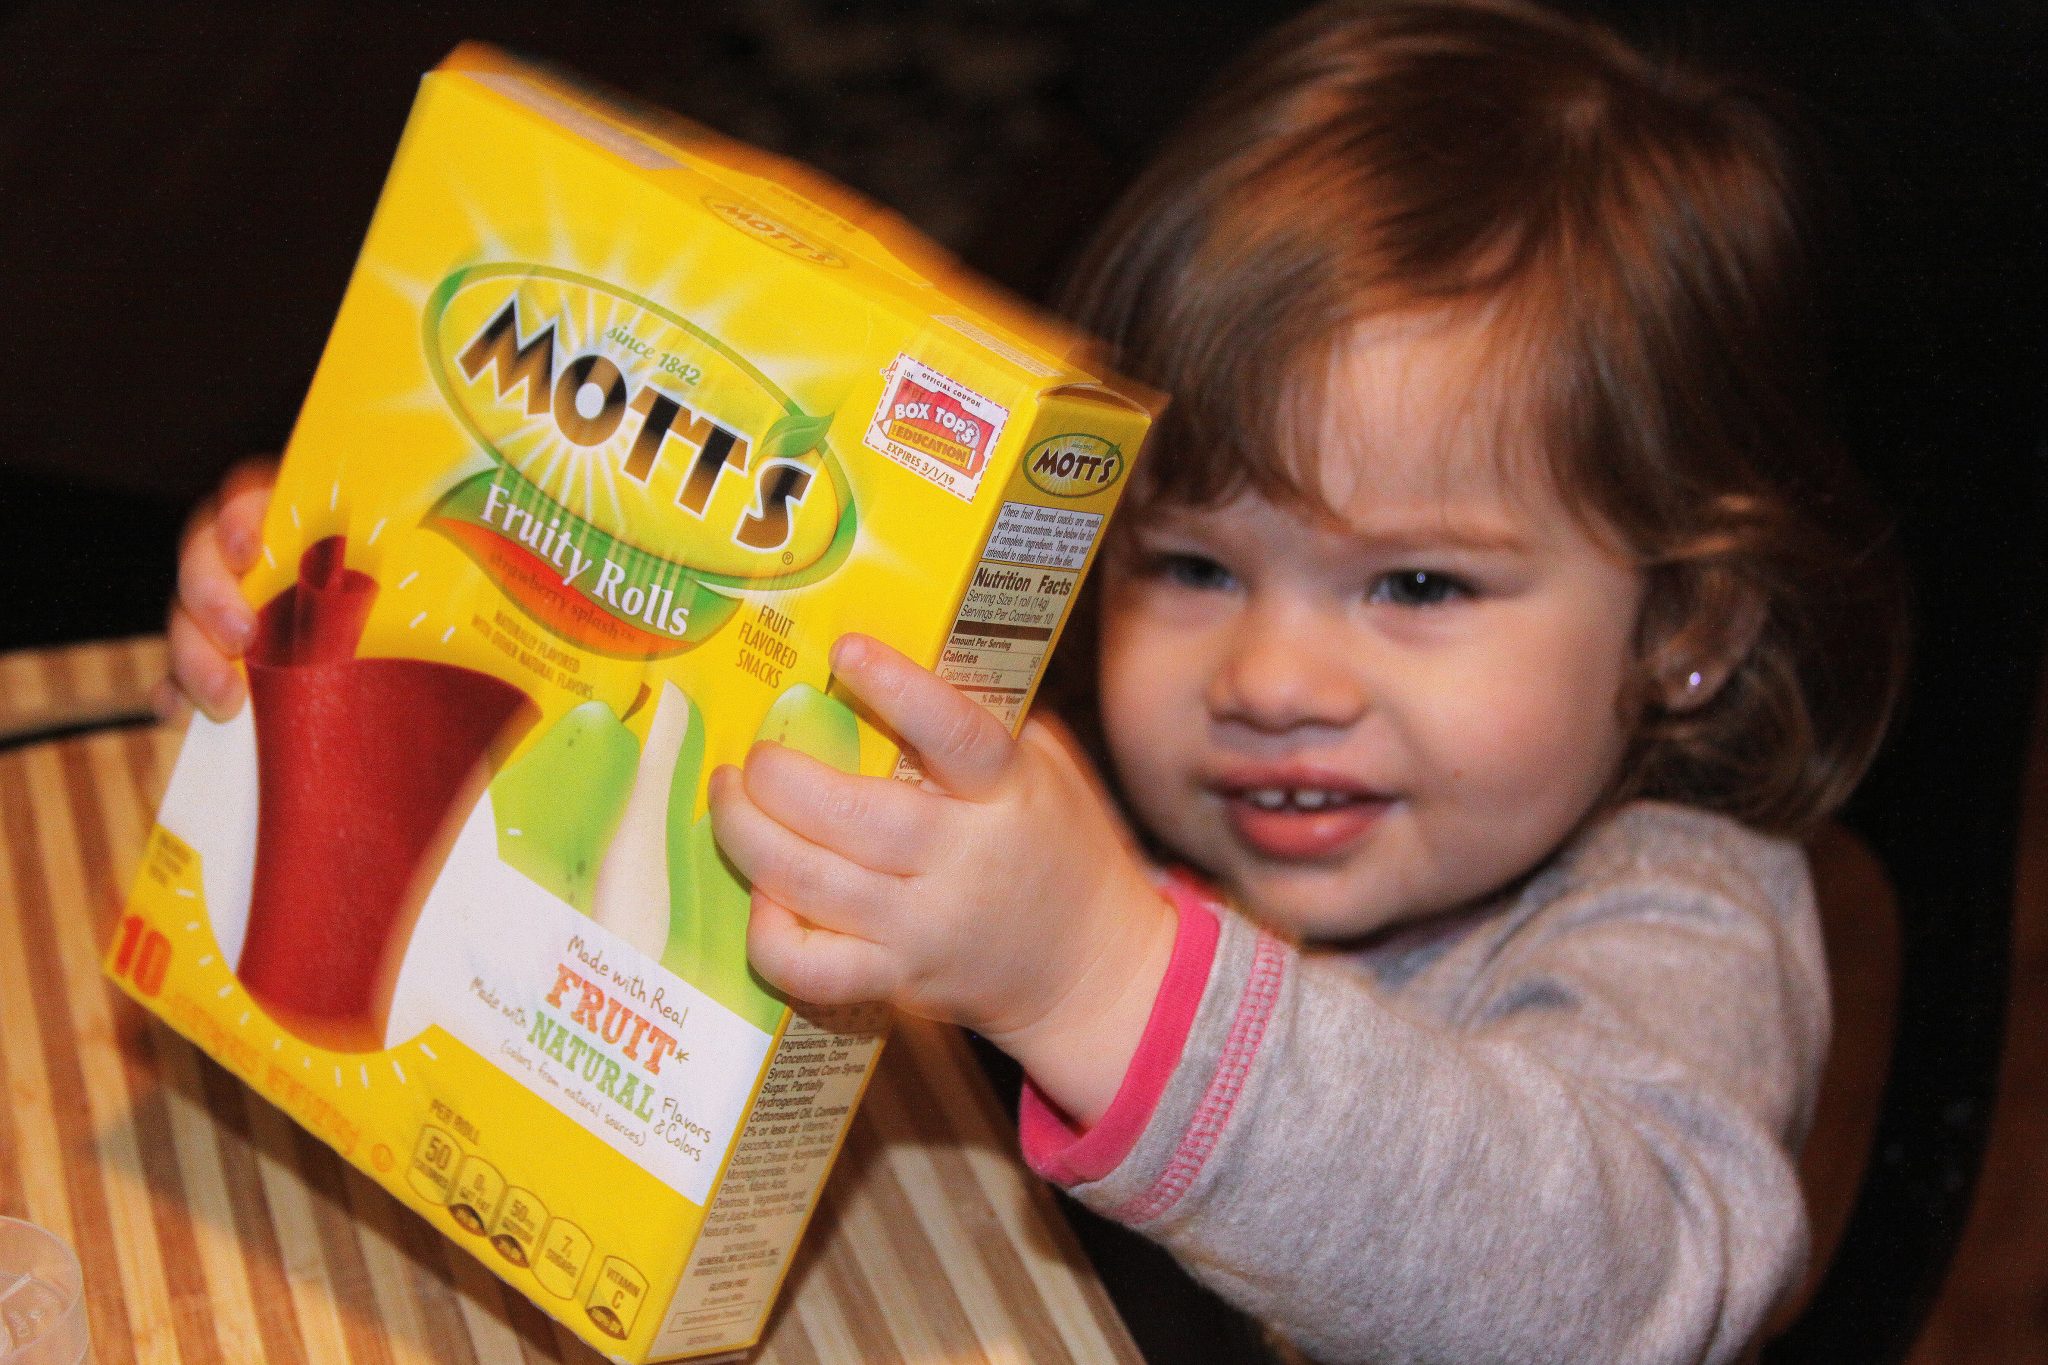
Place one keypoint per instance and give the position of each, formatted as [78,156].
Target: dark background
[183,188]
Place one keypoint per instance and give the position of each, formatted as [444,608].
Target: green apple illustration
[707,939]
[558,803]
[633,893]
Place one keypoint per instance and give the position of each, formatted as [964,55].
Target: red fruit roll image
[365,770]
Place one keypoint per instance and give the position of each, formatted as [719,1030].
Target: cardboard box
[619,428]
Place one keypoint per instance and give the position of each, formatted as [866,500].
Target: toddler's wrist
[1078,1050]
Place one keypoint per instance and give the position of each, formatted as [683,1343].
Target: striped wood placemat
[212,1228]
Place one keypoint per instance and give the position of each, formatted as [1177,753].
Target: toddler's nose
[1281,672]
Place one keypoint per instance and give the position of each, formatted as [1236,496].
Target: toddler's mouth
[1298,798]
[1300,818]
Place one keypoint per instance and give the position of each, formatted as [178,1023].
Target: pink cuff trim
[1065,1154]
[1240,1048]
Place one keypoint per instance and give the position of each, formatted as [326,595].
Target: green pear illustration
[632,897]
[707,936]
[814,723]
[707,940]
[558,803]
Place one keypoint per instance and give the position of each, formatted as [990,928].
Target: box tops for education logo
[643,475]
[935,426]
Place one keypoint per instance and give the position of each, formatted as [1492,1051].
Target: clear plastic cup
[42,1298]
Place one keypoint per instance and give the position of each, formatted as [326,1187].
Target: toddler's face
[1357,720]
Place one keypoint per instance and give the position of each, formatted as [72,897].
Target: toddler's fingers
[244,500]
[809,963]
[200,670]
[961,746]
[822,886]
[169,702]
[882,824]
[210,595]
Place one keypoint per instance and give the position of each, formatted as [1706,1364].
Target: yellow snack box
[621,425]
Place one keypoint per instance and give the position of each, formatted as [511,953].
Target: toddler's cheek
[1523,789]
[1153,786]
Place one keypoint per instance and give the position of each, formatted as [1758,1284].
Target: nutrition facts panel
[1028,573]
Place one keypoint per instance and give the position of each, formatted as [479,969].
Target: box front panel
[590,478]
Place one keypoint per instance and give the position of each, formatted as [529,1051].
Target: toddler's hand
[1003,893]
[210,624]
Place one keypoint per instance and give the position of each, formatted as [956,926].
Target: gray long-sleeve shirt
[1559,1127]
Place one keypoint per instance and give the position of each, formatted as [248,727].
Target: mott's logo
[1074,465]
[645,473]
[776,233]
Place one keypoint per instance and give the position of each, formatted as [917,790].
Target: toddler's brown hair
[1628,233]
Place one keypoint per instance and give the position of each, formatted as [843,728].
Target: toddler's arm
[1562,1131]
[1001,893]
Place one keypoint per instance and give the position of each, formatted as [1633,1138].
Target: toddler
[1486,617]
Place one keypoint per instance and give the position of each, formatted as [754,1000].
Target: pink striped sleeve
[1058,1150]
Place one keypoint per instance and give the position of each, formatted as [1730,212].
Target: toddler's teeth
[1267,798]
[1308,800]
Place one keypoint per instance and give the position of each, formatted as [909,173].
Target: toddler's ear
[1691,664]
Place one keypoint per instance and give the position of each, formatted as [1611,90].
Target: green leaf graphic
[796,433]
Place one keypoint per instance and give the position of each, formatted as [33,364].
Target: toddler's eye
[1419,588]
[1198,572]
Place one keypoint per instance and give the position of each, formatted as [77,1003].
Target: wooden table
[212,1228]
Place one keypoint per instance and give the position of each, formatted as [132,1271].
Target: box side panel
[799,1121]
[1043,536]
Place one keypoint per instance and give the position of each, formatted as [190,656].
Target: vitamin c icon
[616,1297]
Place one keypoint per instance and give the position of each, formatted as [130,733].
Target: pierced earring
[1693,681]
